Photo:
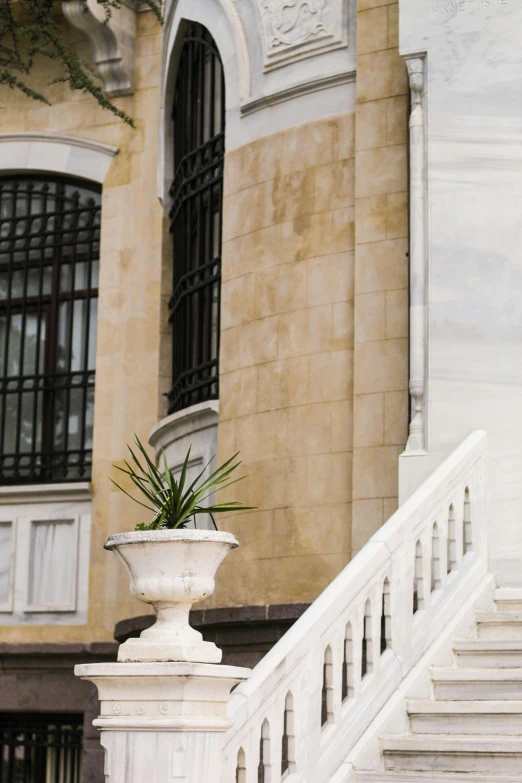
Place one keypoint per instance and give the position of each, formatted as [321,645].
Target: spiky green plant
[172,503]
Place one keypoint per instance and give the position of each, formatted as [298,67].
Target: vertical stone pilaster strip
[418,326]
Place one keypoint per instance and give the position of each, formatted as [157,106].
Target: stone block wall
[127,378]
[287,360]
[314,325]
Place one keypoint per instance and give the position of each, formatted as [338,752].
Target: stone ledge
[11,649]
[233,615]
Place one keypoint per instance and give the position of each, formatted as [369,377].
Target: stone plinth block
[162,722]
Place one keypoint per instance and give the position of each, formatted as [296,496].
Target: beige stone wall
[126,398]
[287,360]
[314,325]
[381,268]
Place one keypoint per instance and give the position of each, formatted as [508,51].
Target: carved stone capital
[415,67]
[112,42]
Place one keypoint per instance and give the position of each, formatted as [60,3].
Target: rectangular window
[40,747]
[52,569]
[49,267]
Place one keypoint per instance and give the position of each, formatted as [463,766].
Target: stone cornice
[296,90]
[61,138]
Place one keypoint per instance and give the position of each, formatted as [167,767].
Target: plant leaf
[172,504]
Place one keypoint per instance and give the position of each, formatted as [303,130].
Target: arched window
[196,218]
[49,263]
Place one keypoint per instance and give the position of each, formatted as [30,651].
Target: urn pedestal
[164,704]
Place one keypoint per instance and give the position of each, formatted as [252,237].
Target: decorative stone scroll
[294,29]
[418,258]
[112,41]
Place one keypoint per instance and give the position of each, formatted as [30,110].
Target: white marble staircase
[471,728]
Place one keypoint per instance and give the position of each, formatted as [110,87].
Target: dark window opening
[196,220]
[49,264]
[40,748]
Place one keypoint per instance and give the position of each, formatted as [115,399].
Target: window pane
[89,419]
[15,339]
[34,344]
[6,548]
[52,577]
[93,323]
[75,419]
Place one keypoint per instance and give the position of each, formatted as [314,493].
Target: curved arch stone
[59,153]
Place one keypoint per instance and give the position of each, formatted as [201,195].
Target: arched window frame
[198,117]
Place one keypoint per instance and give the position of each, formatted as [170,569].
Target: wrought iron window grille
[40,748]
[196,220]
[49,264]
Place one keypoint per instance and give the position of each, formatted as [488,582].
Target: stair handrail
[312,696]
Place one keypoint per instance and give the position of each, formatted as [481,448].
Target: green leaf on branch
[31,29]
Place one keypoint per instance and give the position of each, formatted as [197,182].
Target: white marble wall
[474,248]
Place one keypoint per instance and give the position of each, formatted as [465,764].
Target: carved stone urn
[171,570]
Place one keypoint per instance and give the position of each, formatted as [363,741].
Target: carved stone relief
[294,29]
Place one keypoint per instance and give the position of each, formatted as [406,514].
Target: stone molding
[188,421]
[46,493]
[56,152]
[303,88]
[299,29]
[222,20]
[112,42]
[228,615]
[44,650]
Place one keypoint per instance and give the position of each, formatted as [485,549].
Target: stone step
[488,653]
[508,599]
[462,684]
[465,717]
[445,753]
[429,777]
[499,625]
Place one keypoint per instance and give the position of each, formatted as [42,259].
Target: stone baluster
[418,328]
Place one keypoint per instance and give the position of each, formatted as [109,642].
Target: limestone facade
[314,308]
